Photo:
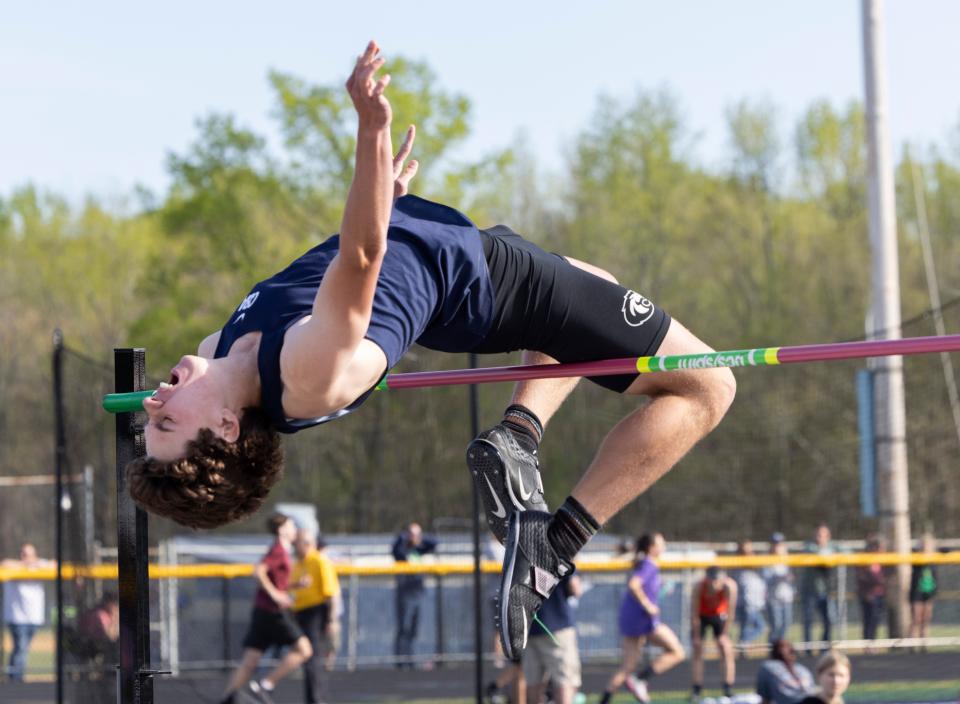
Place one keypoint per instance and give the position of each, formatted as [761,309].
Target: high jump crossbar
[757,357]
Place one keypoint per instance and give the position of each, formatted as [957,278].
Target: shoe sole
[636,693]
[506,579]
[489,474]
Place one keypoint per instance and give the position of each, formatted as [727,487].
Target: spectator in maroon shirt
[271,623]
[872,589]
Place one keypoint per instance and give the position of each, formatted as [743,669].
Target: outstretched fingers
[402,183]
[404,150]
[366,89]
[403,174]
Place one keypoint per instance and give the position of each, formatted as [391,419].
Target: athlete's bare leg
[300,651]
[725,643]
[632,651]
[697,662]
[684,406]
[243,673]
[672,652]
[542,396]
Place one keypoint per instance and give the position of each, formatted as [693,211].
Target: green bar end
[131,402]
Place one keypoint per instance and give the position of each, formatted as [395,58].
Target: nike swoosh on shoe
[524,494]
[500,512]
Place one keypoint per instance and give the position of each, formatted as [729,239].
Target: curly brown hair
[217,482]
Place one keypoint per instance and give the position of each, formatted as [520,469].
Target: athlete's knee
[710,391]
[304,648]
[723,391]
[678,651]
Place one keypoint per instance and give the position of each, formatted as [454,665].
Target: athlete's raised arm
[320,363]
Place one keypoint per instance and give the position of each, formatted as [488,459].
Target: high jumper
[311,343]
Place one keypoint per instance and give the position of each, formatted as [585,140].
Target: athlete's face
[834,681]
[192,399]
[657,546]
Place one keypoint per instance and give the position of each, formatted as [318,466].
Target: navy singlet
[434,289]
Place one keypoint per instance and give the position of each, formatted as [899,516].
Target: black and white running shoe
[531,571]
[259,693]
[507,477]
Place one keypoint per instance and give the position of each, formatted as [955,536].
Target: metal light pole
[891,429]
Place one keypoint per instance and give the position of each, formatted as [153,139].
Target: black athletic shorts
[714,623]
[271,628]
[544,303]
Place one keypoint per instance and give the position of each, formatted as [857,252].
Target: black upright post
[136,684]
[477,577]
[60,456]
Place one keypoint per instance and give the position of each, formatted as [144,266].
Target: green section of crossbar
[131,402]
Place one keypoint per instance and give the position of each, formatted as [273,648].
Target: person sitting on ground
[311,343]
[94,640]
[781,679]
[833,678]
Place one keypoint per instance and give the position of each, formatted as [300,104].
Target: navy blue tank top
[433,289]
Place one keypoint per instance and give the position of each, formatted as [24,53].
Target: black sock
[570,528]
[605,697]
[697,688]
[646,674]
[727,689]
[525,426]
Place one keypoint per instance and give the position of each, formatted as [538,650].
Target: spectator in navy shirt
[409,546]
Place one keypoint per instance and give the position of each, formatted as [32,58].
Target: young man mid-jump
[309,344]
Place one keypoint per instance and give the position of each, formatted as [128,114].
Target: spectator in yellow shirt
[315,591]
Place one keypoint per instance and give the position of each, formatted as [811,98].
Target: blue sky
[95,94]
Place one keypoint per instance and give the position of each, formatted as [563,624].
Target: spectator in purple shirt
[640,623]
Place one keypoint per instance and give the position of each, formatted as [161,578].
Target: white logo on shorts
[636,309]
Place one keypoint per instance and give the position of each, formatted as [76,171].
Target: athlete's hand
[366,90]
[283,600]
[403,174]
[653,610]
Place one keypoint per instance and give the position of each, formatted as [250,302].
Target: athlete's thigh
[632,650]
[678,340]
[665,638]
